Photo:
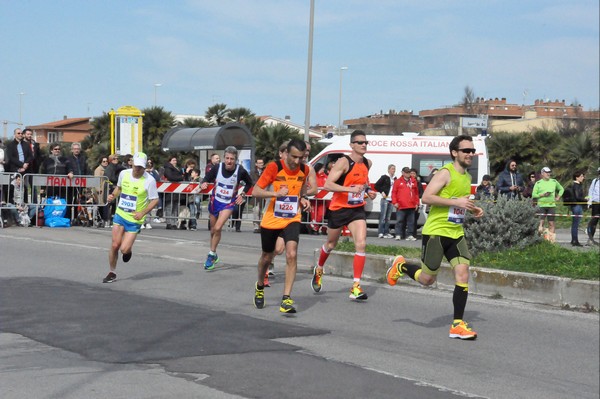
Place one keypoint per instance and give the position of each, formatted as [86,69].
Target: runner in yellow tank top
[448,193]
[136,196]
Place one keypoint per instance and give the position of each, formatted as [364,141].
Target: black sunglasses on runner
[467,150]
[360,142]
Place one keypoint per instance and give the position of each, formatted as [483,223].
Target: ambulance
[423,153]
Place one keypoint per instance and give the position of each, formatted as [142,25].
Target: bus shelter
[206,140]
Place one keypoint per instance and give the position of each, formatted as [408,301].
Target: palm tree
[217,114]
[194,122]
[254,124]
[239,114]
[269,138]
[157,122]
[577,153]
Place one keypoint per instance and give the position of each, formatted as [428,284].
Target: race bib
[224,192]
[456,214]
[286,207]
[127,202]
[356,199]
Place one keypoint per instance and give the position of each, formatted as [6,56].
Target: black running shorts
[268,237]
[344,216]
[435,248]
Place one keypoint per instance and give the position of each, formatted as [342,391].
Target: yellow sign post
[126,130]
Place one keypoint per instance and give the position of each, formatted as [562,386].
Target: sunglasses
[466,150]
[360,142]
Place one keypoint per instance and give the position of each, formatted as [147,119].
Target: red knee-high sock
[323,257]
[358,265]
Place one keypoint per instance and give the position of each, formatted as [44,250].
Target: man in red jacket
[405,197]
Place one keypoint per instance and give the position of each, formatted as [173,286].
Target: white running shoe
[411,238]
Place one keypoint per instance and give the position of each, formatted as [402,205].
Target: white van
[423,153]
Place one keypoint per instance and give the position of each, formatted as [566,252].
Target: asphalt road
[169,329]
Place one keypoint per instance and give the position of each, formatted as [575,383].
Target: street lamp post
[21,94]
[342,69]
[156,85]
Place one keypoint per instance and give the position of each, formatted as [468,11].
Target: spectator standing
[405,197]
[574,198]
[103,193]
[195,200]
[510,182]
[547,191]
[34,165]
[485,191]
[531,179]
[80,168]
[56,164]
[415,175]
[384,187]
[78,161]
[259,203]
[34,147]
[594,201]
[154,173]
[171,201]
[17,155]
[318,206]
[215,159]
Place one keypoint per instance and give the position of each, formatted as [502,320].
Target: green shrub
[506,224]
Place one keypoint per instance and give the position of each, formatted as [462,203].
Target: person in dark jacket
[510,182]
[576,199]
[57,165]
[171,200]
[80,168]
[17,155]
[485,191]
[384,187]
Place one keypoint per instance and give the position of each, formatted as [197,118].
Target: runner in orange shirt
[288,178]
[349,182]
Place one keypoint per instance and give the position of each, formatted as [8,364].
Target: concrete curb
[525,287]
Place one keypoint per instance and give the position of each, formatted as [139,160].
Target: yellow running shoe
[287,306]
[357,293]
[461,330]
[394,272]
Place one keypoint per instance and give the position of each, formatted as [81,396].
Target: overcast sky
[83,57]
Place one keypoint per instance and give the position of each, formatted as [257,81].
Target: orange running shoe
[394,272]
[461,330]
[266,281]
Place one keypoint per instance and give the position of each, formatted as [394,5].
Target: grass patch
[542,258]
